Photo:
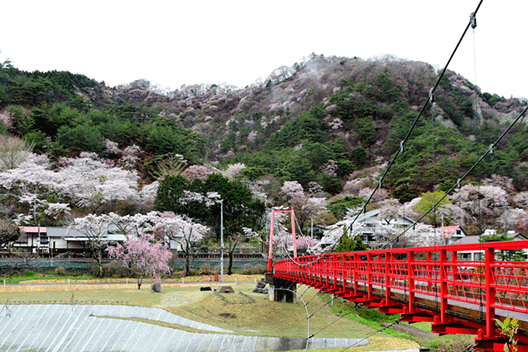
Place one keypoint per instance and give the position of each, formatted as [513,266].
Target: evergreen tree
[349,244]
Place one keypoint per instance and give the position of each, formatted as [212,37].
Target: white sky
[172,42]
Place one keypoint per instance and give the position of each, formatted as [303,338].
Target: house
[452,234]
[371,225]
[56,240]
[473,255]
[33,238]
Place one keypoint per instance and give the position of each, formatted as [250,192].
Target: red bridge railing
[429,284]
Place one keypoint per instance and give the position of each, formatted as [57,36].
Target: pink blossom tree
[143,255]
[196,172]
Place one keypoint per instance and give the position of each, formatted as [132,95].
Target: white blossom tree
[184,232]
[84,181]
[95,229]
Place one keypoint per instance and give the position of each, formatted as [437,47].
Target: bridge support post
[281,290]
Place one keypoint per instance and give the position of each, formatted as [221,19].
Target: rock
[226,289]
[260,288]
[155,287]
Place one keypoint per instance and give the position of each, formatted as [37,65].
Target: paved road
[67,328]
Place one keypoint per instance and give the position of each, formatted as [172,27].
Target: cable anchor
[473,20]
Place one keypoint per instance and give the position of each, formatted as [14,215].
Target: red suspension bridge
[428,284]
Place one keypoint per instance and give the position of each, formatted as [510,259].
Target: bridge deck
[428,284]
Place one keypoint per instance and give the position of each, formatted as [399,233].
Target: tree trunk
[187,261]
[139,281]
[231,253]
[100,262]
[230,266]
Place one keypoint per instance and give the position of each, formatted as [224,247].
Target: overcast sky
[171,42]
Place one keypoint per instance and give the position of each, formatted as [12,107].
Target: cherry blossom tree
[292,190]
[502,182]
[266,189]
[333,234]
[420,235]
[196,172]
[84,181]
[482,202]
[183,231]
[305,208]
[95,230]
[518,218]
[144,255]
[233,171]
[353,186]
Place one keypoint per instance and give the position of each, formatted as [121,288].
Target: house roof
[476,239]
[32,229]
[449,231]
[84,238]
[468,240]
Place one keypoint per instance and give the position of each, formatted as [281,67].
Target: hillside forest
[315,136]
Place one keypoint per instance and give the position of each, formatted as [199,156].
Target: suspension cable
[488,151]
[422,110]
[403,142]
[395,322]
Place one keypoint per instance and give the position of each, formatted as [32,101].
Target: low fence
[85,264]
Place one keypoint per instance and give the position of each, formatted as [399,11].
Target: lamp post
[222,240]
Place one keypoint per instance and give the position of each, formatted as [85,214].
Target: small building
[474,255]
[55,240]
[33,239]
[452,234]
[371,224]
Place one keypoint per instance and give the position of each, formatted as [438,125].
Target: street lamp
[222,240]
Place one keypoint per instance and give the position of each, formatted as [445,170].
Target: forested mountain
[322,122]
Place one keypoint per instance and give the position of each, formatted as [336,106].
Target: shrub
[247,269]
[205,269]
[29,273]
[115,269]
[60,271]
[259,269]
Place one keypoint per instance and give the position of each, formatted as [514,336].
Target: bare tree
[9,233]
[13,152]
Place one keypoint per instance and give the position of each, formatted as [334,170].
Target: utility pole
[443,230]
[222,240]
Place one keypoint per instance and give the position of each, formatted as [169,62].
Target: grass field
[244,312]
